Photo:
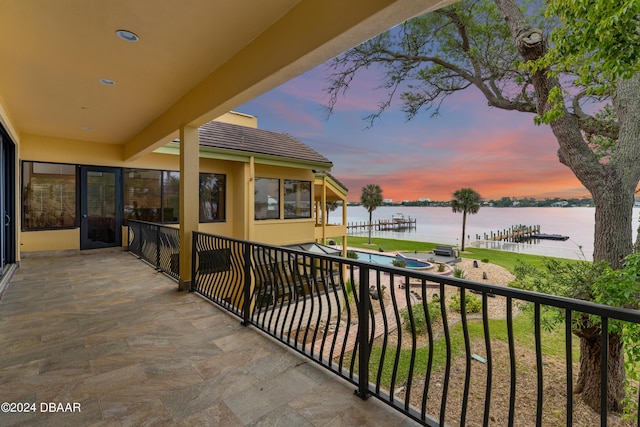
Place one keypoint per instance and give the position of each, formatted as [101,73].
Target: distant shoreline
[440,224]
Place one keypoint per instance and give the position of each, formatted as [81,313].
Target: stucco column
[344,222]
[323,207]
[250,206]
[189,199]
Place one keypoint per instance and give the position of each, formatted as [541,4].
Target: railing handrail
[162,251]
[588,307]
[155,224]
[302,299]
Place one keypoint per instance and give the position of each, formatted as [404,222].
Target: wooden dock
[515,233]
[393,224]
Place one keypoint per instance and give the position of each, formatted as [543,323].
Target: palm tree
[371,198]
[465,200]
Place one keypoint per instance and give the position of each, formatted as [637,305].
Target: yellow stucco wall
[50,240]
[239,221]
[57,150]
[36,148]
[241,119]
[268,171]
[284,232]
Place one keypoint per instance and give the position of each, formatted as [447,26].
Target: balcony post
[246,303]
[189,199]
[194,251]
[364,351]
[323,208]
[157,242]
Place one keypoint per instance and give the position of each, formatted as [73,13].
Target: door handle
[7,219]
[84,215]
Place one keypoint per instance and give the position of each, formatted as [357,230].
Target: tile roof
[337,181]
[258,141]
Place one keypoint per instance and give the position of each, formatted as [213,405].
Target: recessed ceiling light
[85,127]
[127,36]
[107,82]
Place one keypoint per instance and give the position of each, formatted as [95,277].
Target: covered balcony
[405,336]
[267,335]
[103,334]
[271,335]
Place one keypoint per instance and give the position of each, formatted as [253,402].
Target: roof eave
[245,156]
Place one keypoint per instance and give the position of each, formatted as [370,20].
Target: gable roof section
[338,183]
[232,137]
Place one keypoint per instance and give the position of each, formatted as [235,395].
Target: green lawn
[504,259]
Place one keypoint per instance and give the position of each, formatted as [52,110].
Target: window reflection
[297,199]
[142,194]
[49,195]
[267,198]
[170,196]
[212,197]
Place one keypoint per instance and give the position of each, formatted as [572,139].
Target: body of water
[441,225]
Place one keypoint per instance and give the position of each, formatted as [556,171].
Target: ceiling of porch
[195,60]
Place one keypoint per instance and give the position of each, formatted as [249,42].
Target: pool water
[387,260]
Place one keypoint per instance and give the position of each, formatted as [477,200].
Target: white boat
[400,218]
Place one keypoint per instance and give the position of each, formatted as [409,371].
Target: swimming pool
[387,260]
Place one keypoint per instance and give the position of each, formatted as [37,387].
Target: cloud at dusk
[498,153]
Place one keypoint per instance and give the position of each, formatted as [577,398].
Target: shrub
[348,286]
[352,254]
[459,273]
[485,260]
[399,263]
[434,310]
[440,267]
[472,303]
[350,301]
[419,326]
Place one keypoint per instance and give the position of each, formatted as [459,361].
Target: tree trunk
[611,183]
[464,226]
[613,239]
[588,383]
[370,219]
[636,246]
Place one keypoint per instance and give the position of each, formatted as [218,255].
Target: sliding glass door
[7,201]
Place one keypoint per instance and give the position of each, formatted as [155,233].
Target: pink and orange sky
[497,153]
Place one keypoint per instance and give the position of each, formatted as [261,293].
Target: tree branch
[574,151]
[577,109]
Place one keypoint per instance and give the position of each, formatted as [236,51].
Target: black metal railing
[159,245]
[393,333]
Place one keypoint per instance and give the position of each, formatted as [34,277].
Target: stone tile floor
[103,331]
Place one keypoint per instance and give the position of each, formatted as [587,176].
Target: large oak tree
[485,45]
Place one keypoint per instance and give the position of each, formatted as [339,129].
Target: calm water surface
[441,225]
